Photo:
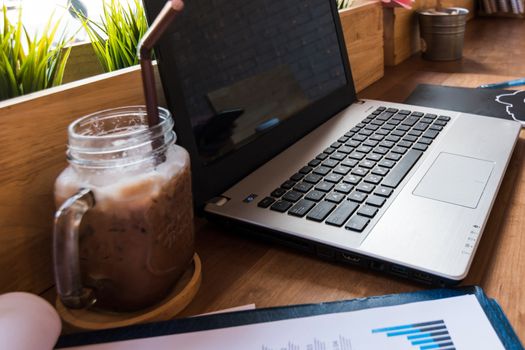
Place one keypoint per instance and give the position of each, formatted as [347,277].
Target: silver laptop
[263,100]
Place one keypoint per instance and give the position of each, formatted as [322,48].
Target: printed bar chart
[423,336]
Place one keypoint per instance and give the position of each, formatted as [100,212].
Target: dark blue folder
[493,311]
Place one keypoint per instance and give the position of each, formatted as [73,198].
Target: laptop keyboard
[348,183]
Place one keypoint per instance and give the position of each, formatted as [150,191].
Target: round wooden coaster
[179,298]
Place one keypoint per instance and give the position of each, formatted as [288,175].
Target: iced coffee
[136,239]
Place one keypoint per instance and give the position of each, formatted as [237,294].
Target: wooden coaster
[179,298]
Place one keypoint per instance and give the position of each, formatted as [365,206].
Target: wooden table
[239,270]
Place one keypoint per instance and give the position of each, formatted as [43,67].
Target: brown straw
[145,48]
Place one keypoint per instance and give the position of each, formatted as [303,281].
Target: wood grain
[33,134]
[363,31]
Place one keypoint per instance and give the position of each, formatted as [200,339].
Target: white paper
[461,319]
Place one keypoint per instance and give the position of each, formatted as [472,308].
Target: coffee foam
[136,185]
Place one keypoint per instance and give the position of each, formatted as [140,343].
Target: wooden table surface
[239,270]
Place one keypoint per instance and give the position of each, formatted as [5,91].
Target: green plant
[343,4]
[116,38]
[29,64]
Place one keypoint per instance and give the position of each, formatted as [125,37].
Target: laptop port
[399,270]
[376,265]
[354,259]
[423,277]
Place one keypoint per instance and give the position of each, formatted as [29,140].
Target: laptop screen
[245,67]
[250,76]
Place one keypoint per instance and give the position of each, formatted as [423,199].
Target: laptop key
[386,163]
[398,132]
[404,111]
[314,162]
[377,137]
[417,114]
[357,223]
[324,186]
[330,163]
[322,156]
[335,145]
[367,211]
[352,179]
[392,138]
[430,116]
[431,134]
[409,138]
[365,187]
[301,208]
[321,211]
[357,155]
[400,150]
[305,169]
[398,173]
[345,149]
[380,171]
[376,201]
[303,187]
[341,169]
[440,123]
[296,177]
[420,147]
[425,141]
[278,192]
[321,170]
[329,150]
[387,144]
[288,184]
[335,197]
[353,143]
[416,133]
[335,178]
[383,191]
[358,197]
[292,196]
[373,179]
[444,118]
[349,163]
[342,213]
[312,178]
[281,206]
[360,171]
[265,202]
[343,139]
[436,127]
[338,156]
[315,195]
[343,188]
[369,164]
[393,156]
[374,157]
[404,143]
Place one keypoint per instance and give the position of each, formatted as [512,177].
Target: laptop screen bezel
[210,180]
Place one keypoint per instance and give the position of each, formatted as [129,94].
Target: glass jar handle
[66,260]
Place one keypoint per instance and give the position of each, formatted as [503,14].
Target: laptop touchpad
[455,179]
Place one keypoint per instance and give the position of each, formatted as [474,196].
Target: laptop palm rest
[455,179]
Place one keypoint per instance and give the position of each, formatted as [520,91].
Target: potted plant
[116,37]
[29,64]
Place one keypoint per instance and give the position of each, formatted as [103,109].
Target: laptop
[263,100]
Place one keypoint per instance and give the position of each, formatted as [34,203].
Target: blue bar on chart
[423,336]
